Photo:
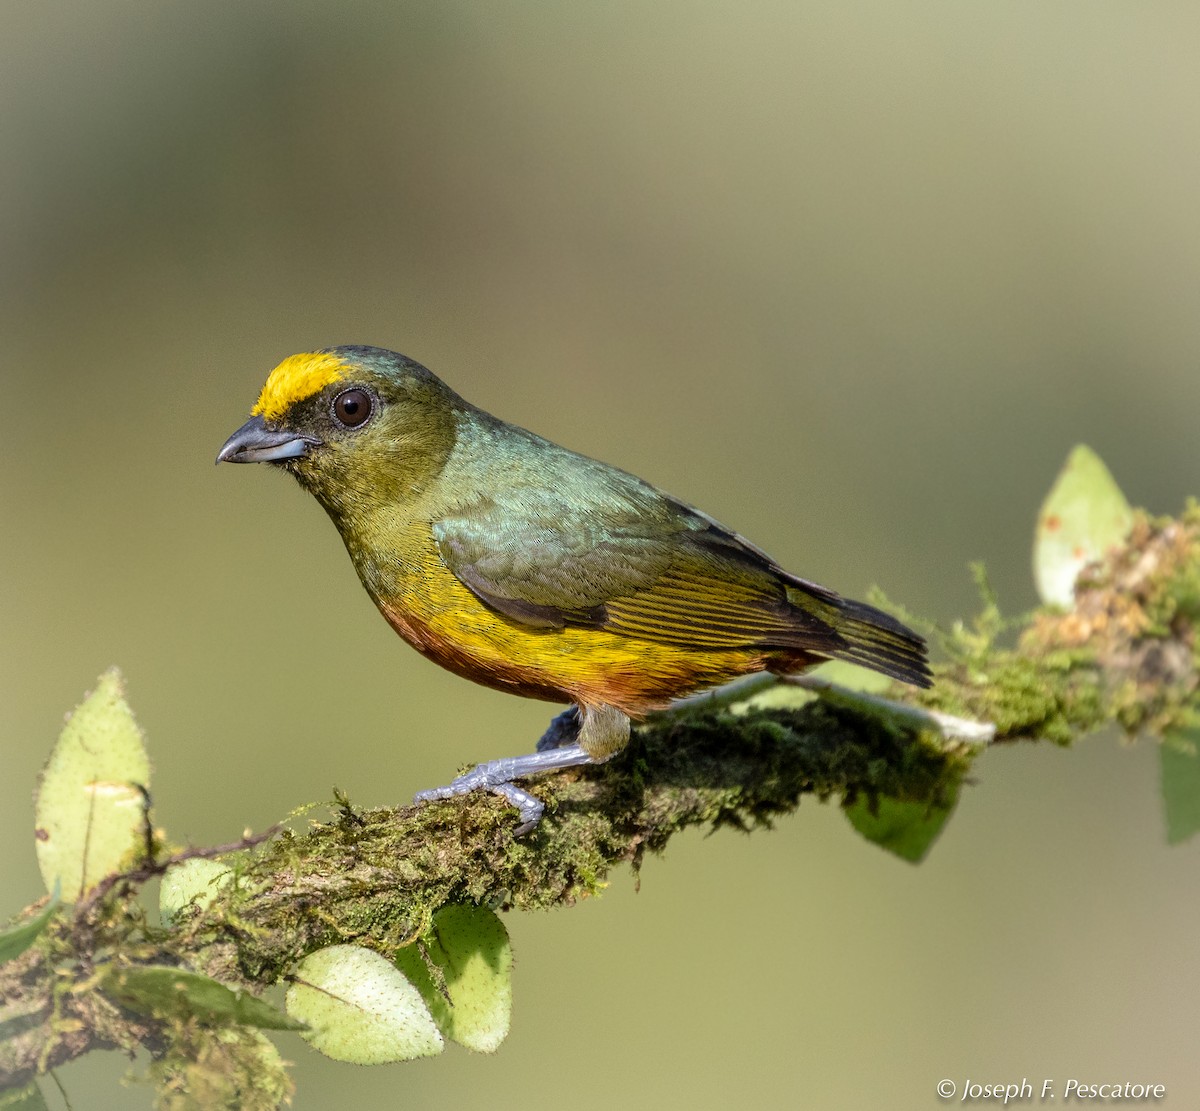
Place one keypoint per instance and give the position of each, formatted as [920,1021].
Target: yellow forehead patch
[295,379]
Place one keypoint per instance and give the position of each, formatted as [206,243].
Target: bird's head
[357,426]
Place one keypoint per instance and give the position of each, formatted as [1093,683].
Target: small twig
[951,727]
[737,690]
[1123,654]
[151,868]
[741,690]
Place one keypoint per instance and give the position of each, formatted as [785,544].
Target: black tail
[877,640]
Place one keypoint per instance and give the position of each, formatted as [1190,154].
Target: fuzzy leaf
[361,1008]
[192,883]
[164,990]
[1180,767]
[1083,516]
[905,828]
[470,947]
[91,802]
[14,941]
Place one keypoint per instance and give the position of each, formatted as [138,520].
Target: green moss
[1053,698]
[206,1069]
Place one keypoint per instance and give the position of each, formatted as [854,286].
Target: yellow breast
[432,609]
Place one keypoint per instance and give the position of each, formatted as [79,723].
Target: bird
[532,569]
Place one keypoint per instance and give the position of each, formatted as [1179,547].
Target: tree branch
[1126,653]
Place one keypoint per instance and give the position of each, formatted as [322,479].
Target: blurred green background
[853,277]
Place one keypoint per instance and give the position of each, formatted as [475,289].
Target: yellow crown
[295,379]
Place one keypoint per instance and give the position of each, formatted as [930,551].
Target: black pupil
[352,407]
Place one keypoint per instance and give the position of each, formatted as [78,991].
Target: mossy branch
[1125,653]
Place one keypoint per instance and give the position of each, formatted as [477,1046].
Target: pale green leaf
[1083,516]
[905,828]
[14,941]
[361,1008]
[164,990]
[91,802]
[1180,767]
[469,947]
[191,883]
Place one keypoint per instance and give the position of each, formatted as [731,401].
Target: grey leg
[497,776]
[602,732]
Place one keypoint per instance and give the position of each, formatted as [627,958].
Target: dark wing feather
[565,540]
[625,558]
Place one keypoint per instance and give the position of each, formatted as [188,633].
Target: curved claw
[529,807]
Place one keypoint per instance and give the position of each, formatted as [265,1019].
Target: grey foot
[497,776]
[562,730]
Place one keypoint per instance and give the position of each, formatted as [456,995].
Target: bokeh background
[853,277]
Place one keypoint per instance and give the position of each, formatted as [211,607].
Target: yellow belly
[431,608]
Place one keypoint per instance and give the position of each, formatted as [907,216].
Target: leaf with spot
[469,948]
[91,801]
[360,1008]
[1083,516]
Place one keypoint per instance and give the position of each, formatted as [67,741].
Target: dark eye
[352,407]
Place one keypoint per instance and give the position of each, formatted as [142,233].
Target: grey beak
[254,442]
